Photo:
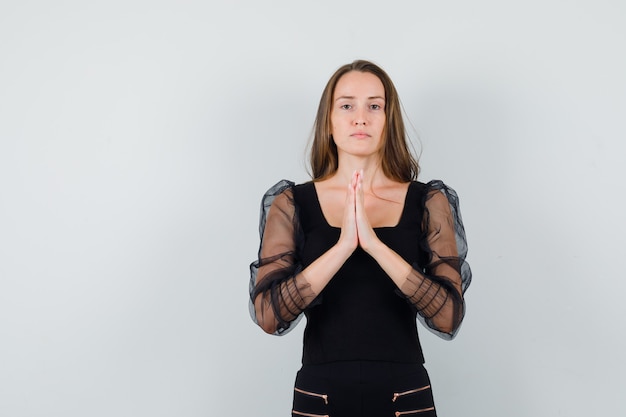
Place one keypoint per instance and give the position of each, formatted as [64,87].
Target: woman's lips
[360,135]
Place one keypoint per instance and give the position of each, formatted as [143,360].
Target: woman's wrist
[375,248]
[343,249]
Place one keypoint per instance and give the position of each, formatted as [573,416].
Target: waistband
[363,370]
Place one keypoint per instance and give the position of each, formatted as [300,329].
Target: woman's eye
[375,107]
[346,106]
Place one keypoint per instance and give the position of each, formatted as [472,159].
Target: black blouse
[361,314]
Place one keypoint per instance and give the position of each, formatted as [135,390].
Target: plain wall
[137,138]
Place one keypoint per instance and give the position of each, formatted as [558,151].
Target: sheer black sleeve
[278,291]
[437,289]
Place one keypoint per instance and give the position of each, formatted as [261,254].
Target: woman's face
[358,114]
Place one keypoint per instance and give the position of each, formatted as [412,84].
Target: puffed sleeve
[278,291]
[437,289]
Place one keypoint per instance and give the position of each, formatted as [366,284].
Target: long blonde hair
[397,161]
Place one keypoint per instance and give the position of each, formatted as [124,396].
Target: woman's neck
[372,172]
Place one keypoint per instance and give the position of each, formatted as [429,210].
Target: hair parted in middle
[397,161]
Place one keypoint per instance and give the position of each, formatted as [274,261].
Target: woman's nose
[359,117]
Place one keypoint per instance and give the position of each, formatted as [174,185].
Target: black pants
[363,389]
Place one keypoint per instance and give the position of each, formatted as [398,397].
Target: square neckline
[400,220]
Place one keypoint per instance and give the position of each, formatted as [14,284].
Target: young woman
[362,250]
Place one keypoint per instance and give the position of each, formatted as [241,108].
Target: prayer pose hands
[356,229]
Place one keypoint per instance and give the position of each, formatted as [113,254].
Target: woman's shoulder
[286,191]
[418,187]
[435,192]
[431,185]
[286,184]
[279,187]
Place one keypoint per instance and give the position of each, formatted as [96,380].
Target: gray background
[136,140]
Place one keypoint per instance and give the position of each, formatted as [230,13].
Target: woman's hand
[356,229]
[349,236]
[366,236]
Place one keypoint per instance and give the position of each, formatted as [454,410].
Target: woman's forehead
[359,84]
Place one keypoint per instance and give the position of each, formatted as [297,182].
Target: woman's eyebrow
[352,98]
